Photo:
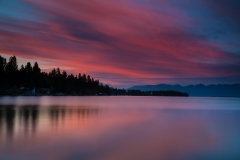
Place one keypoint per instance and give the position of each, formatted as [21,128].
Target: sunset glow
[127,42]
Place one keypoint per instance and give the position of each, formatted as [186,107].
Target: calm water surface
[119,128]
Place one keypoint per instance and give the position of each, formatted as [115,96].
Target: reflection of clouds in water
[127,128]
[169,137]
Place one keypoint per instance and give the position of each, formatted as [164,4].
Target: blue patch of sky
[214,28]
[16,13]
[19,10]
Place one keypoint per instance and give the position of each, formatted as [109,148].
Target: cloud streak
[125,42]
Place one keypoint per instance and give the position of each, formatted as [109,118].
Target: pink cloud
[119,39]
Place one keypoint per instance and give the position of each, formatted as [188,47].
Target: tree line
[13,78]
[28,76]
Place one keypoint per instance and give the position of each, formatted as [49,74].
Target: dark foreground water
[119,128]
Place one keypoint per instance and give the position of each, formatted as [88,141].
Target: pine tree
[2,64]
[28,68]
[12,66]
[22,69]
[2,68]
[36,69]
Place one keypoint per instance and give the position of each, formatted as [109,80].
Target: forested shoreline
[30,80]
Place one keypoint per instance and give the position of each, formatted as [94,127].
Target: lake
[119,128]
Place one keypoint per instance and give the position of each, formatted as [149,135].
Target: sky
[128,42]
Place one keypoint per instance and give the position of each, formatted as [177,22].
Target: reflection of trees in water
[34,118]
[27,116]
[10,114]
[58,114]
[1,121]
[9,118]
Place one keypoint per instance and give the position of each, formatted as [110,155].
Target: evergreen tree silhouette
[36,69]
[22,69]
[2,68]
[2,64]
[11,66]
[28,68]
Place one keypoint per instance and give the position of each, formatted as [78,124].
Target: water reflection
[58,114]
[16,118]
[119,128]
[28,117]
[7,116]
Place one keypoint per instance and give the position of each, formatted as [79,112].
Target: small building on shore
[45,90]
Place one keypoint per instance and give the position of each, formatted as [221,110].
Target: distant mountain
[220,90]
